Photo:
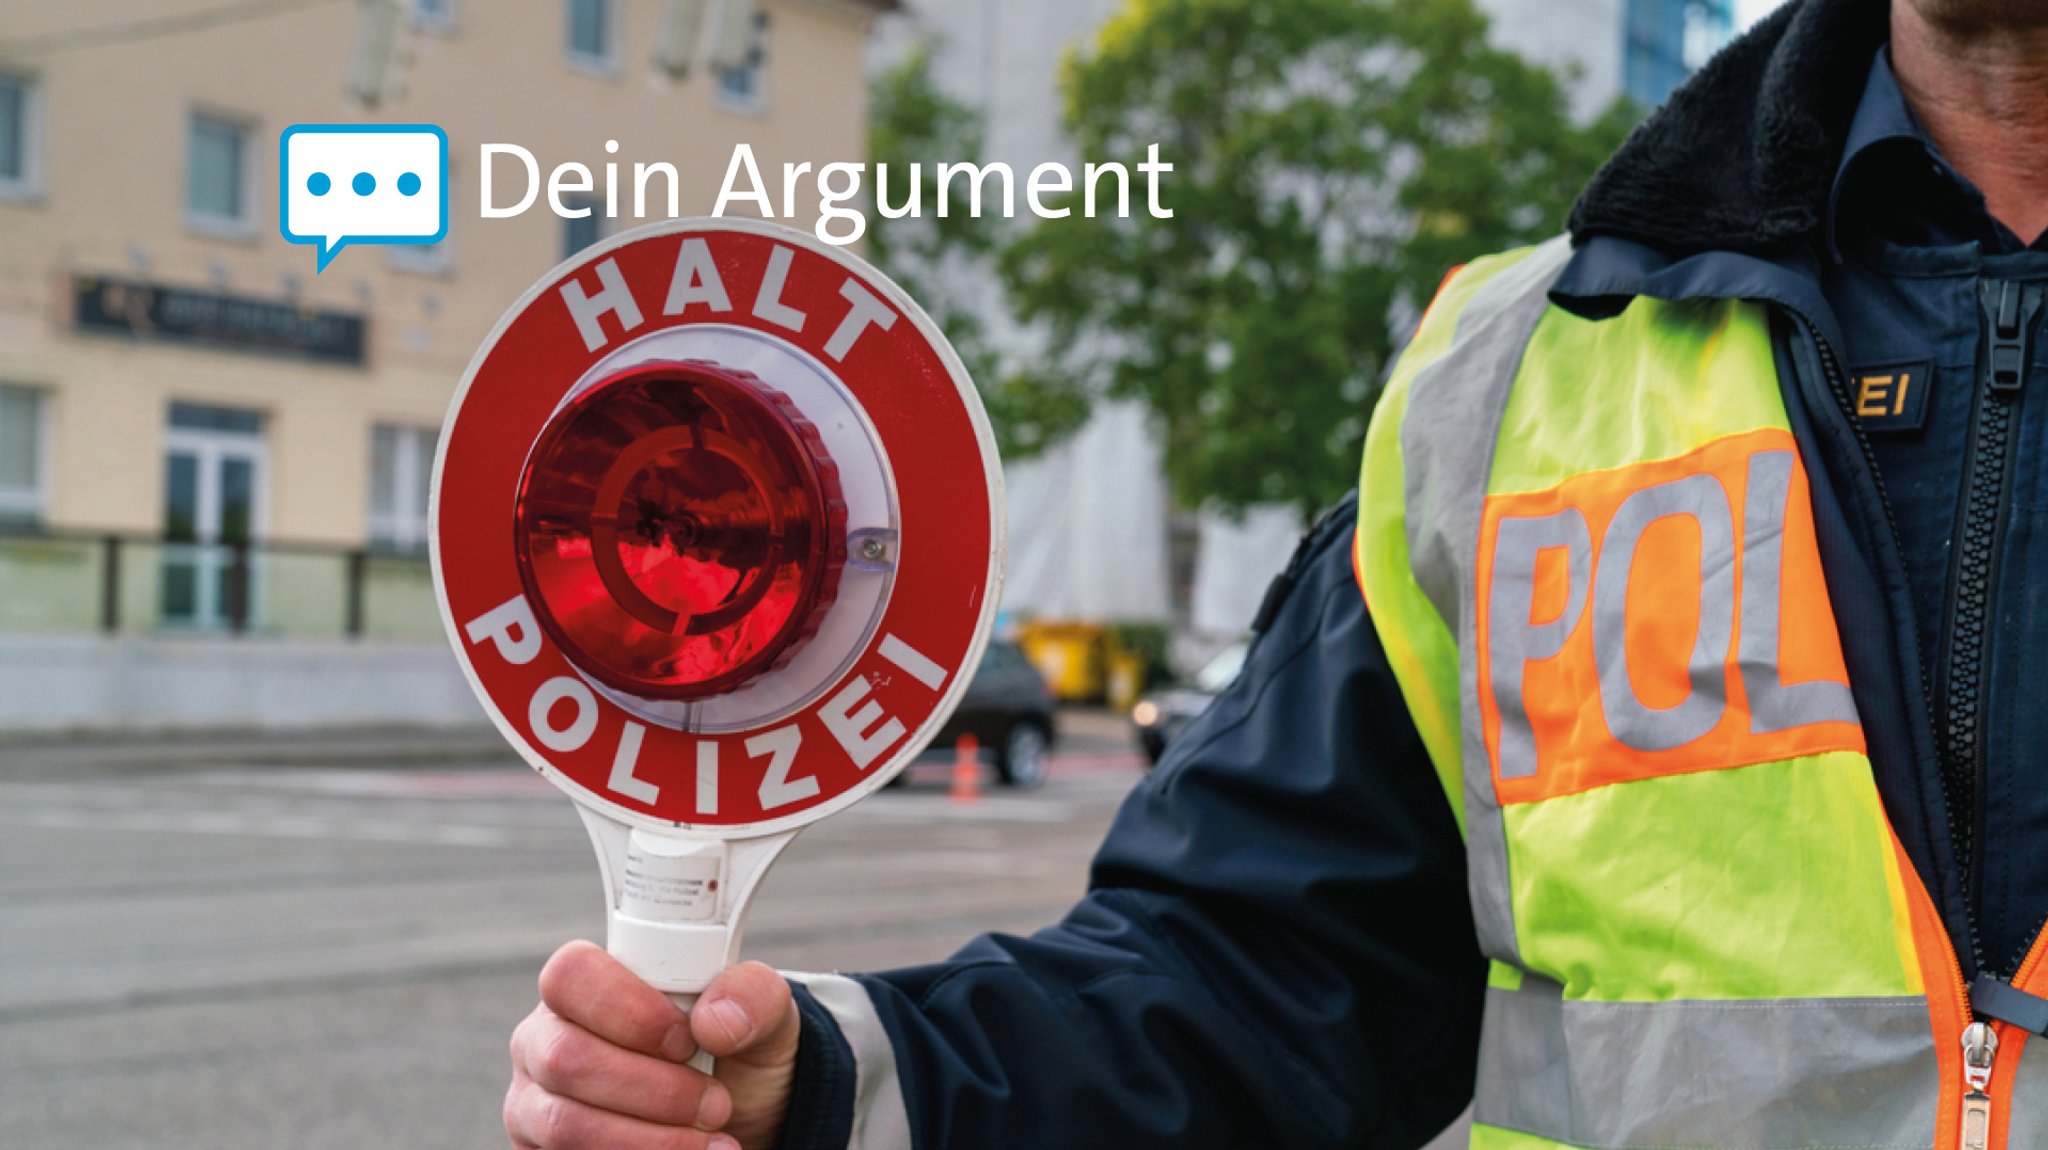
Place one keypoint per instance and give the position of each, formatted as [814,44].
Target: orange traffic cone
[966,771]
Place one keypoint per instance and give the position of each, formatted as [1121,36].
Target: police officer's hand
[599,1064]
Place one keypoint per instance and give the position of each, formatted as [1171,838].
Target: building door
[213,511]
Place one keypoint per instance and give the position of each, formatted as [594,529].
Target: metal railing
[127,583]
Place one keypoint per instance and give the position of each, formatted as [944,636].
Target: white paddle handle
[674,904]
[700,1061]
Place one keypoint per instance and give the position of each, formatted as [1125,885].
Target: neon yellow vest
[1589,552]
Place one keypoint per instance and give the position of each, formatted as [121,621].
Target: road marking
[913,809]
[383,782]
[265,826]
[149,808]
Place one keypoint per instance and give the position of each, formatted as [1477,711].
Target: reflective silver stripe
[1453,422]
[1769,1074]
[1447,444]
[880,1120]
[2029,1111]
[1512,641]
[1773,704]
[1702,499]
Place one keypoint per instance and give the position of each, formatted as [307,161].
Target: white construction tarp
[1088,525]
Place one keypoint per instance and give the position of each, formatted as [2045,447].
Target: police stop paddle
[718,540]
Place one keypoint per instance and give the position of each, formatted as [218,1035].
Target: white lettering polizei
[865,733]
[623,781]
[540,713]
[707,778]
[510,627]
[912,661]
[777,788]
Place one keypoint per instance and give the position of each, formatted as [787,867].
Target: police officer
[1648,757]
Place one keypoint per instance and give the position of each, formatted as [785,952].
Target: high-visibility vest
[1588,548]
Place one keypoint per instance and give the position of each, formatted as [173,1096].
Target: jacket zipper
[2009,310]
[1979,1041]
[1838,386]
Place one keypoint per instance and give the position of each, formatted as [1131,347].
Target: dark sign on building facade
[185,315]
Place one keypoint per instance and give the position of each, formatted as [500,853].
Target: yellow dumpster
[1072,656]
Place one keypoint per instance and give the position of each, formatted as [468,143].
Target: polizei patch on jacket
[1657,619]
[1892,397]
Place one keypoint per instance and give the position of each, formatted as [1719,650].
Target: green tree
[948,263]
[1332,160]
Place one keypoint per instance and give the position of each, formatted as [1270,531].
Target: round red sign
[717,527]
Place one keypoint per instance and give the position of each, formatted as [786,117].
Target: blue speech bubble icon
[341,184]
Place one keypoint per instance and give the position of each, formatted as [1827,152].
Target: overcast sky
[1748,12]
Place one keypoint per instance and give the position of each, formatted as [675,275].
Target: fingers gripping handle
[664,923]
[674,904]
[700,1061]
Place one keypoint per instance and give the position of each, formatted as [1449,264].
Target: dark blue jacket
[1277,948]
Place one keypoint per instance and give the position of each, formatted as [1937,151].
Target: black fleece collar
[1742,156]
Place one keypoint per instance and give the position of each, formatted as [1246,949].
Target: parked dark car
[1008,710]
[1163,714]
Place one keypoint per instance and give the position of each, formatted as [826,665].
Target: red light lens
[680,527]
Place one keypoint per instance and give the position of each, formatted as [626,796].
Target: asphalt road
[254,955]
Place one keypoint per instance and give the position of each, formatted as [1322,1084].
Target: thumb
[748,1021]
[747,1016]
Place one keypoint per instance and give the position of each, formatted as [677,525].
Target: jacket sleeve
[1276,948]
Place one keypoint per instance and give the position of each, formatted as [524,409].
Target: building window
[227,420]
[433,15]
[20,138]
[21,455]
[744,88]
[593,35]
[579,232]
[401,464]
[217,194]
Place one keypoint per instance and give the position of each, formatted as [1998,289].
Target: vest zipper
[1980,1050]
[2010,310]
[2024,978]
[2007,348]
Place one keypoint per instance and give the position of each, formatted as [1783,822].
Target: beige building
[168,363]
[173,373]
